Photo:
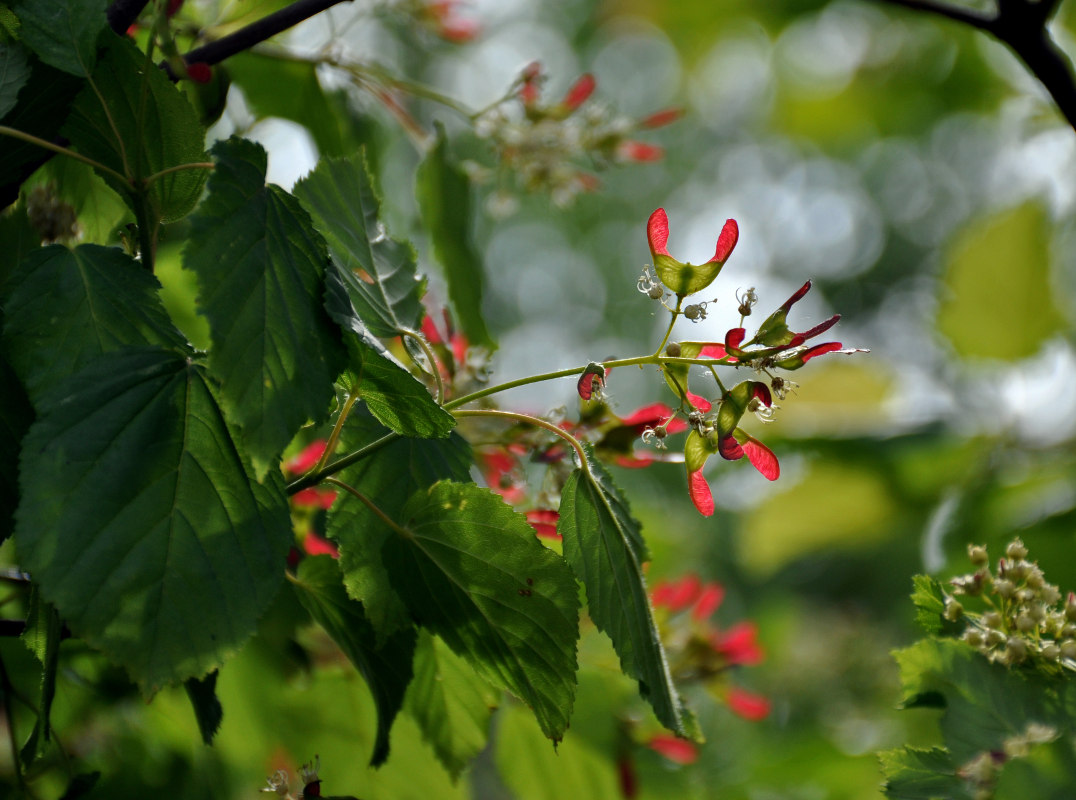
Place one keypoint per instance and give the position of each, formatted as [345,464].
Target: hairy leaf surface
[63,33]
[471,570]
[260,267]
[164,551]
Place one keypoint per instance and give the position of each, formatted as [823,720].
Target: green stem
[530,420]
[672,322]
[147,227]
[334,437]
[193,165]
[63,151]
[421,340]
[316,476]
[366,501]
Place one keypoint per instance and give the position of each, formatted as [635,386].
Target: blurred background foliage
[908,165]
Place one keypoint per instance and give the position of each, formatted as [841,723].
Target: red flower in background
[679,751]
[306,460]
[749,706]
[446,23]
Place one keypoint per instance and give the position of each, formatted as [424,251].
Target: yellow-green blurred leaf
[999,302]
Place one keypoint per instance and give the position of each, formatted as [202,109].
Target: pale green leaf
[912,773]
[260,268]
[164,552]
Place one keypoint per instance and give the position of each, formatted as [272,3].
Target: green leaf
[929,600]
[985,703]
[471,570]
[67,307]
[999,299]
[393,395]
[63,33]
[916,774]
[379,272]
[98,208]
[208,712]
[42,637]
[386,666]
[164,551]
[260,268]
[14,73]
[451,704]
[444,197]
[132,119]
[390,474]
[277,87]
[604,545]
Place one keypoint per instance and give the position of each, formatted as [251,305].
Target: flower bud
[1016,549]
[953,610]
[994,637]
[672,350]
[655,293]
[973,637]
[992,619]
[1049,594]
[1004,588]
[1024,623]
[1050,650]
[977,554]
[1017,648]
[1070,607]
[1068,648]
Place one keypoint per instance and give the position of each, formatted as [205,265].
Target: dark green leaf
[277,87]
[391,475]
[66,307]
[379,272]
[81,785]
[471,570]
[164,551]
[451,704]
[208,712]
[98,208]
[260,268]
[604,545]
[157,129]
[63,33]
[444,196]
[386,666]
[42,636]
[915,774]
[14,73]
[393,395]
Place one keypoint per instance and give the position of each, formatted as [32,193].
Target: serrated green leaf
[14,73]
[929,601]
[917,774]
[391,474]
[393,395]
[260,268]
[42,637]
[131,119]
[63,33]
[386,665]
[65,308]
[208,712]
[378,272]
[985,703]
[451,704]
[604,545]
[444,197]
[98,208]
[277,87]
[471,570]
[999,301]
[164,551]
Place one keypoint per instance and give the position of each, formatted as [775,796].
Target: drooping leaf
[14,73]
[999,301]
[277,87]
[208,712]
[450,703]
[393,395]
[63,33]
[164,551]
[444,197]
[470,569]
[66,307]
[378,272]
[604,545]
[917,774]
[42,636]
[133,120]
[391,474]
[260,268]
[386,665]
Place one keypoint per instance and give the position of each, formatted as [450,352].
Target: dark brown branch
[122,13]
[1021,25]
